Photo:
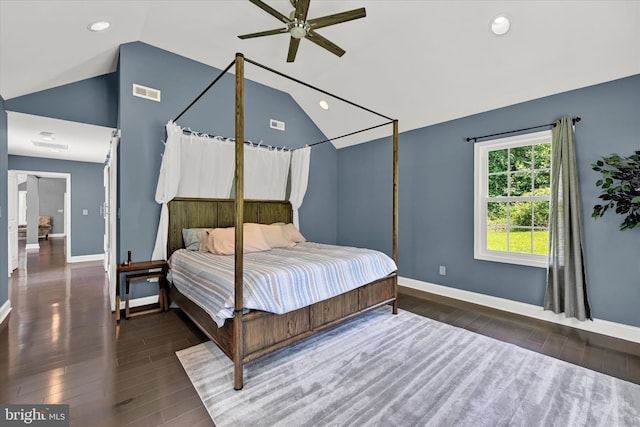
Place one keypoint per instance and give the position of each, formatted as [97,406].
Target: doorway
[15,214]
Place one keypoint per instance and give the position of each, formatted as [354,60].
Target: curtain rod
[208,135]
[476,138]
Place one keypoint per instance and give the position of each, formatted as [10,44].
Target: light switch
[85,211]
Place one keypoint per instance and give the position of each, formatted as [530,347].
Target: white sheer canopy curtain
[566,279]
[265,173]
[300,160]
[192,166]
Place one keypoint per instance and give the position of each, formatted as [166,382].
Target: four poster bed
[248,334]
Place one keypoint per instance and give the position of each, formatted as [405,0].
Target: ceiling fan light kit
[298,27]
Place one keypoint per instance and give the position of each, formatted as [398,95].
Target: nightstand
[140,271]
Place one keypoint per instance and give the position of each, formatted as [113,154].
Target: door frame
[110,211]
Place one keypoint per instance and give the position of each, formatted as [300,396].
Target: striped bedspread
[277,281]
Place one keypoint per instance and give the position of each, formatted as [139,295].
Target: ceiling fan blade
[293,49]
[325,43]
[337,18]
[302,7]
[263,33]
[271,11]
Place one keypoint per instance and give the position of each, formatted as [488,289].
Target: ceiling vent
[50,145]
[146,92]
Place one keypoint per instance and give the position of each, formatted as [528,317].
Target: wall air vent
[276,124]
[50,145]
[146,92]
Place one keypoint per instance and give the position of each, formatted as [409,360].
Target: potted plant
[620,184]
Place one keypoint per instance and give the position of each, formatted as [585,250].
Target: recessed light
[98,26]
[500,25]
[324,105]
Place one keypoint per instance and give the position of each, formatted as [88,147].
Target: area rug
[407,370]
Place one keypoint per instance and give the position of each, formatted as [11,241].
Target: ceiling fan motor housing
[298,29]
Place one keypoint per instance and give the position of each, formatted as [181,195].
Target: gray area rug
[407,370]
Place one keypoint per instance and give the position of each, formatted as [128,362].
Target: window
[512,188]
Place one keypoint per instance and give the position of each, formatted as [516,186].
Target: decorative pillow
[195,239]
[222,241]
[293,234]
[275,236]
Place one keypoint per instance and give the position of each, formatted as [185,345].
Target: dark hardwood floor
[61,344]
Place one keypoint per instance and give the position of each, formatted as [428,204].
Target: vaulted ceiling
[422,62]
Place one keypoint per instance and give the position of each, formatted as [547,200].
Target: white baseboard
[137,302]
[32,246]
[5,310]
[85,258]
[605,327]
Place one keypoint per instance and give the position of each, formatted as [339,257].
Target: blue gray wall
[87,192]
[4,250]
[436,199]
[180,80]
[93,101]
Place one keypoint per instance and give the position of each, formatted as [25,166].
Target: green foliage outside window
[519,172]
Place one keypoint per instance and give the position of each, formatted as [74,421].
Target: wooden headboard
[212,213]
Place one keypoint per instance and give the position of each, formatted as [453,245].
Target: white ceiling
[83,142]
[422,62]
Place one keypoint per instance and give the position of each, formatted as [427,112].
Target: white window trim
[481,173]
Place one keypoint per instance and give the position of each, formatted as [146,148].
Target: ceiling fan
[297,25]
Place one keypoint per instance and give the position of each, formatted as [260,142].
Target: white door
[12,219]
[110,217]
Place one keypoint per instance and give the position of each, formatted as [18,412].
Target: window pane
[520,183]
[498,160]
[521,158]
[542,183]
[542,156]
[497,213]
[520,240]
[541,242]
[520,214]
[541,214]
[498,185]
[496,238]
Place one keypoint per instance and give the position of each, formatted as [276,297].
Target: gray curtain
[566,280]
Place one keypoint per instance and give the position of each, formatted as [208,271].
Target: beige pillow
[293,234]
[222,241]
[275,236]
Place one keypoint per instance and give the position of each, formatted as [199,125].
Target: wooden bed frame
[250,336]
[264,332]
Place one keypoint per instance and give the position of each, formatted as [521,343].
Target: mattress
[279,280]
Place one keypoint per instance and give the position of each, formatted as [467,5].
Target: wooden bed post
[395,209]
[238,349]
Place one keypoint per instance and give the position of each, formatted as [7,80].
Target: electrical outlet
[443,270]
